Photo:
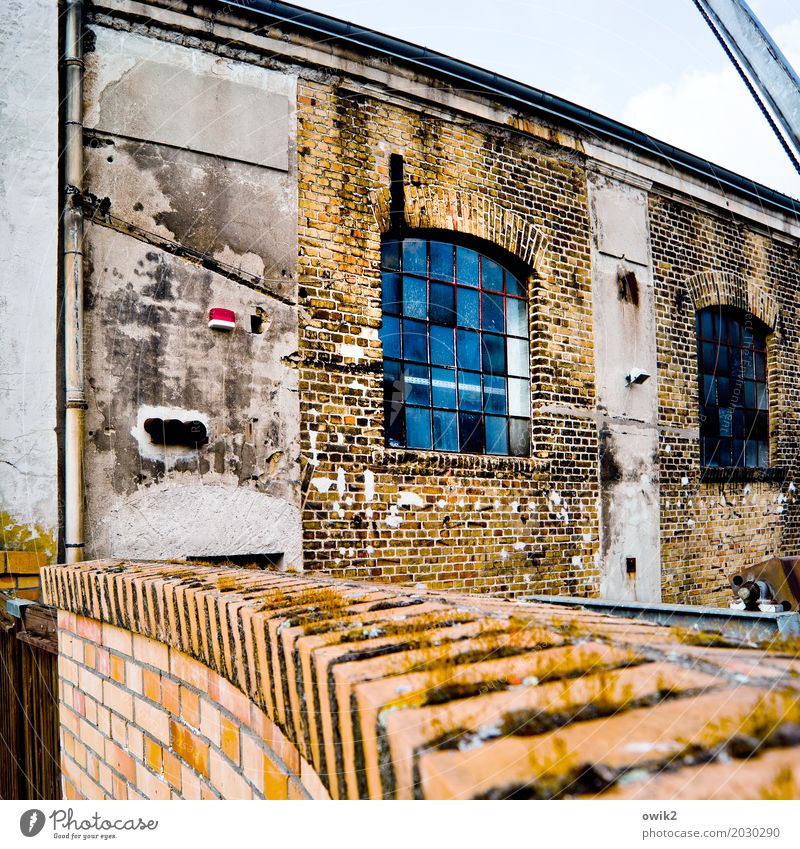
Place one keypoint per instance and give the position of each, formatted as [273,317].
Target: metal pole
[73,285]
[759,59]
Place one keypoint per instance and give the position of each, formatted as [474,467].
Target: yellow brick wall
[487,524]
[712,530]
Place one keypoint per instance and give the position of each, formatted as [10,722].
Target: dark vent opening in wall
[397,200]
[241,561]
[628,287]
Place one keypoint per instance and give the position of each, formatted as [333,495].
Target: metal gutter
[736,624]
[485,82]
[75,395]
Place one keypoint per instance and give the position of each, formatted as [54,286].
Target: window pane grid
[734,398]
[456,351]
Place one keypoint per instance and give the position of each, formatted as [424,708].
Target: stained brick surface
[712,531]
[356,691]
[483,519]
[486,523]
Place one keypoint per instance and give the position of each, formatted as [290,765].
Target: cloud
[711,114]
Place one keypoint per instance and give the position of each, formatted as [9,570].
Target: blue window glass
[417,385]
[468,350]
[390,256]
[442,309]
[418,427]
[519,397]
[517,317]
[456,351]
[492,276]
[470,426]
[443,385]
[391,293]
[494,353]
[760,362]
[415,297]
[467,266]
[390,336]
[709,356]
[415,256]
[514,286]
[493,317]
[445,430]
[469,308]
[494,394]
[469,391]
[707,324]
[709,390]
[518,357]
[441,261]
[733,391]
[415,340]
[395,420]
[496,435]
[443,346]
[393,388]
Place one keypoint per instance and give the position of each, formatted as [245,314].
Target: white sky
[653,64]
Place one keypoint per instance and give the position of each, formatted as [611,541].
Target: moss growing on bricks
[316,605]
[399,628]
[711,639]
[773,722]
[785,645]
[784,786]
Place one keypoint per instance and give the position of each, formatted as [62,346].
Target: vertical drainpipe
[73,285]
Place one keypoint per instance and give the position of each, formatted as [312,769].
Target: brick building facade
[303,157]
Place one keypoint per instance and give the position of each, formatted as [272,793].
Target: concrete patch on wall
[629,509]
[625,346]
[164,147]
[196,155]
[28,253]
[620,218]
[152,354]
[241,215]
[146,89]
[202,520]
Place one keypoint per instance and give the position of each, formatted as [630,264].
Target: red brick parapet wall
[185,681]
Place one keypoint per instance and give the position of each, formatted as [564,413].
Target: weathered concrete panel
[28,256]
[240,214]
[620,218]
[625,342]
[629,513]
[151,352]
[150,90]
[202,520]
[178,142]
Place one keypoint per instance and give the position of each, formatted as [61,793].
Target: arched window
[734,398]
[456,368]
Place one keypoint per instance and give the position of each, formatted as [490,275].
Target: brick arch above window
[430,207]
[720,288]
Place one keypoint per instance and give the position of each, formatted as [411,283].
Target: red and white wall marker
[221,319]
